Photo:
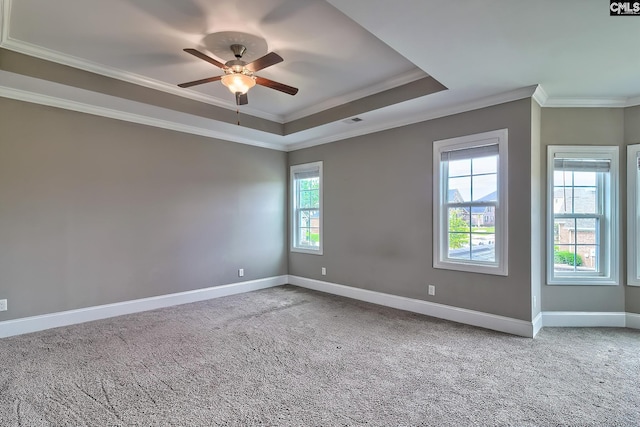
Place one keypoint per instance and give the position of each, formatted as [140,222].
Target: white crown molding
[363,129]
[632,102]
[455,314]
[586,103]
[37,98]
[93,67]
[65,318]
[540,96]
[387,84]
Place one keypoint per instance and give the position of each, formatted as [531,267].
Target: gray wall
[584,126]
[378,214]
[632,136]
[96,211]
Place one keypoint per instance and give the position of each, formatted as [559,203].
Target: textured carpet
[290,356]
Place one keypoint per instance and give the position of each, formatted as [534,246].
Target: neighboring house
[480,216]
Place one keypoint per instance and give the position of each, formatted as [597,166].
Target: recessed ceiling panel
[326,54]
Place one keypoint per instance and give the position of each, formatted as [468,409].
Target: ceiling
[364,58]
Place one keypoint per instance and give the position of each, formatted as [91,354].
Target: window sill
[307,251]
[471,268]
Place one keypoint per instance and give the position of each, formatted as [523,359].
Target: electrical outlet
[432,289]
[324,271]
[3,305]
[240,272]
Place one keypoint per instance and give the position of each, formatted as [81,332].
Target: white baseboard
[460,315]
[537,324]
[633,321]
[64,318]
[584,319]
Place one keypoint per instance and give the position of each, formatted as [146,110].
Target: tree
[458,230]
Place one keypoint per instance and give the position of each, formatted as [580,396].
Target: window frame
[633,215]
[305,167]
[608,229]
[440,204]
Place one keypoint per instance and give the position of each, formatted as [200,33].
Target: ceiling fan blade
[275,85]
[266,61]
[204,57]
[199,82]
[241,98]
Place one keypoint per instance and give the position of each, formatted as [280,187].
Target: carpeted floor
[290,356]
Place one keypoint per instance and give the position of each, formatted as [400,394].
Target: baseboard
[633,320]
[584,319]
[537,324]
[53,320]
[460,315]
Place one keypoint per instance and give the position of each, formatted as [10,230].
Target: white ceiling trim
[391,83]
[422,116]
[144,118]
[591,102]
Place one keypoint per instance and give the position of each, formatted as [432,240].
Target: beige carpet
[289,356]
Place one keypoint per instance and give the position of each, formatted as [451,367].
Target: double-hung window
[582,221]
[470,200]
[633,215]
[306,215]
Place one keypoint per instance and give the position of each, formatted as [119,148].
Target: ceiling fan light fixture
[238,82]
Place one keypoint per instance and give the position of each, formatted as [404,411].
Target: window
[582,215]
[306,196]
[470,200]
[633,214]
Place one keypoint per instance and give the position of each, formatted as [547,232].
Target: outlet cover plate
[3,305]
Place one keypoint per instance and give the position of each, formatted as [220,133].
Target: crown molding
[387,84]
[586,103]
[119,114]
[544,100]
[476,104]
[540,96]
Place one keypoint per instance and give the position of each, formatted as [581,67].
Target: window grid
[306,185]
[470,185]
[582,200]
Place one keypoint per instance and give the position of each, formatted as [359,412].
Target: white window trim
[611,242]
[304,168]
[499,137]
[633,212]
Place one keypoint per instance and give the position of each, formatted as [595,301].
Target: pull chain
[238,114]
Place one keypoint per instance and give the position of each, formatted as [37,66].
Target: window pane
[462,252]
[483,247]
[460,167]
[586,230]
[485,187]
[585,179]
[564,230]
[584,200]
[587,258]
[564,258]
[458,233]
[462,185]
[562,200]
[562,178]
[485,165]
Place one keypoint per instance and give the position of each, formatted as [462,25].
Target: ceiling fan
[238,77]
